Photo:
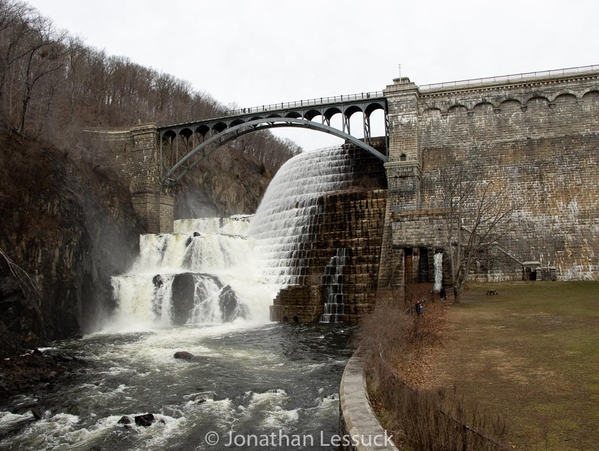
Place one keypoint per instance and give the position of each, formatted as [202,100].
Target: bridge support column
[153,205]
[405,160]
[155,211]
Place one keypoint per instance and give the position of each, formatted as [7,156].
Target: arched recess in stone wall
[590,101]
[536,100]
[457,109]
[483,106]
[510,106]
[431,112]
[590,91]
[565,100]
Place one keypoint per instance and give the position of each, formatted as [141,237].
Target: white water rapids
[243,257]
[215,251]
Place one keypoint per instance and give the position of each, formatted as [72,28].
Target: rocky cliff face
[68,225]
[66,228]
[229,182]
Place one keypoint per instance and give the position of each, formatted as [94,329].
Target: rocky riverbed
[27,373]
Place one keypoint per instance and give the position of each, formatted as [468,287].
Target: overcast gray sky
[255,52]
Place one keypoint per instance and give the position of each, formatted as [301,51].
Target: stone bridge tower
[152,202]
[404,172]
[136,151]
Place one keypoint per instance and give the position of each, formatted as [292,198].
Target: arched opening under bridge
[225,135]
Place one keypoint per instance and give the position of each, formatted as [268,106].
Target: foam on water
[132,357]
[215,259]
[242,378]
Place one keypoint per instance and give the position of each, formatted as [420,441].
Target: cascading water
[438,266]
[283,222]
[239,264]
[200,274]
[333,288]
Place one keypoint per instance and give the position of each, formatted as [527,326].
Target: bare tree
[30,50]
[477,214]
[14,32]
[52,86]
[44,57]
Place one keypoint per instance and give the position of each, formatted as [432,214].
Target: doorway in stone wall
[423,266]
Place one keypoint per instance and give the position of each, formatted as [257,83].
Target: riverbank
[33,370]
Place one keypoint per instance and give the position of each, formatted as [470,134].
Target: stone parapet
[357,421]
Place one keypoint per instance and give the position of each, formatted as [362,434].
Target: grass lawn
[531,355]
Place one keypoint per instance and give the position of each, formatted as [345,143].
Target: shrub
[390,339]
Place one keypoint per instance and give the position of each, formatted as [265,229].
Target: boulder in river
[183,355]
[125,420]
[146,419]
[230,306]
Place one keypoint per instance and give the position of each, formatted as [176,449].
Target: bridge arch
[193,157]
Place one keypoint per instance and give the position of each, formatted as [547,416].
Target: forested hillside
[66,219]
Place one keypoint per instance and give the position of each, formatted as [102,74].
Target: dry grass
[531,355]
[395,341]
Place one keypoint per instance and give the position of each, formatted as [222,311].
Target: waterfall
[438,266]
[214,270]
[201,274]
[333,288]
[284,221]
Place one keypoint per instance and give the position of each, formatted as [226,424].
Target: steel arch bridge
[182,146]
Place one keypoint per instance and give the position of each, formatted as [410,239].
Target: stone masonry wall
[351,220]
[136,152]
[537,138]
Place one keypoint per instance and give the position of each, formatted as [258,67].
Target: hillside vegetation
[53,87]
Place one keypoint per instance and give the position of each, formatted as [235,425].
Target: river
[273,386]
[205,290]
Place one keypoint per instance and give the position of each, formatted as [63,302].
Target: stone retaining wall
[357,421]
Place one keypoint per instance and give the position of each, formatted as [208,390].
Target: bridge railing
[509,78]
[304,103]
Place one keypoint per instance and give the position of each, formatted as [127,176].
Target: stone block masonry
[136,152]
[348,222]
[538,137]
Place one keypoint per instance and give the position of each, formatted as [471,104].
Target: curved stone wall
[358,426]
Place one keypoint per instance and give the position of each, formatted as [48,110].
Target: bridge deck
[274,108]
